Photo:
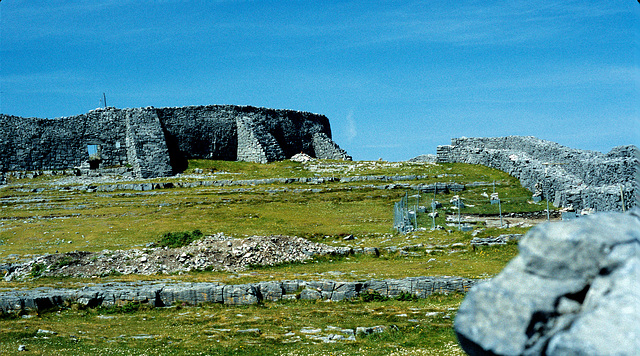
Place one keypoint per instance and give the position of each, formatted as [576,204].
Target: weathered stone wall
[566,176]
[157,142]
[325,147]
[246,133]
[52,144]
[256,143]
[207,132]
[147,148]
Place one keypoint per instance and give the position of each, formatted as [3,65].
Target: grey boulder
[572,290]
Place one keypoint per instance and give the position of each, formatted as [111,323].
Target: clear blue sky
[395,78]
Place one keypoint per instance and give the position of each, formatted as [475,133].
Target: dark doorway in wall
[94,156]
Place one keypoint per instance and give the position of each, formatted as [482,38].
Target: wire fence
[405,211]
[401,218]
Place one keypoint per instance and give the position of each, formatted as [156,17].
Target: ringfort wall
[158,142]
[567,177]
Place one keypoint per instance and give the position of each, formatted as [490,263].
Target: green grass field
[54,220]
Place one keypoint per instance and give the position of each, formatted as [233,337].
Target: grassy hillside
[46,215]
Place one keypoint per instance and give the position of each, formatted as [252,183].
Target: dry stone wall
[567,177]
[29,144]
[255,143]
[159,141]
[146,146]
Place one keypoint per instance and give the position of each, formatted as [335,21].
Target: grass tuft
[179,239]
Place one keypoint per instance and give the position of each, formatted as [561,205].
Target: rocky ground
[216,253]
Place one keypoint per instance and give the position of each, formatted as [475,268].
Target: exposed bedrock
[166,294]
[159,141]
[567,177]
[572,290]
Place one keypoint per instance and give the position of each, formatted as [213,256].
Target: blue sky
[395,78]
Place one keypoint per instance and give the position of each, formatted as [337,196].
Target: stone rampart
[29,144]
[167,294]
[147,150]
[567,177]
[159,141]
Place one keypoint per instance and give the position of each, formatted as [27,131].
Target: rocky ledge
[572,290]
[158,294]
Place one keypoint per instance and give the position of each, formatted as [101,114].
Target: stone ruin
[156,142]
[567,177]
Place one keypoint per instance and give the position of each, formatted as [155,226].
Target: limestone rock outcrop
[157,142]
[167,293]
[572,290]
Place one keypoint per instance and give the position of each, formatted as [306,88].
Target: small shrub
[179,239]
[65,261]
[127,308]
[406,297]
[372,296]
[112,273]
[37,270]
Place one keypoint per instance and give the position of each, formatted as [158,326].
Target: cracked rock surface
[572,290]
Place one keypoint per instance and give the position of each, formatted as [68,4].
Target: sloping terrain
[93,235]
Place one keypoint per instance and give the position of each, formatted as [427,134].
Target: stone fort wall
[159,141]
[567,177]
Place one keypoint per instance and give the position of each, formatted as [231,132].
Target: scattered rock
[302,158]
[430,158]
[216,252]
[367,330]
[42,331]
[307,330]
[249,331]
[500,240]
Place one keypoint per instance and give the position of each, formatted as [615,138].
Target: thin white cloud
[467,23]
[330,27]
[574,76]
[64,81]
[352,131]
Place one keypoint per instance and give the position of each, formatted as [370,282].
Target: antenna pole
[104,98]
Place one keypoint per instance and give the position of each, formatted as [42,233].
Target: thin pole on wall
[546,178]
[433,214]
[417,206]
[104,100]
[548,217]
[459,208]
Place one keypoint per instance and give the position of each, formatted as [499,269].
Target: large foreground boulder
[572,290]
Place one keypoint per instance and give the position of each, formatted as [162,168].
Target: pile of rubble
[213,253]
